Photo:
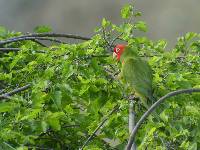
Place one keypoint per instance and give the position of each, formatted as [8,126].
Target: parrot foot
[133,98]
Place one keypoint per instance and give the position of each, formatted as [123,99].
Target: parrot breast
[137,73]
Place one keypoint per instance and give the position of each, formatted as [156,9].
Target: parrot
[135,71]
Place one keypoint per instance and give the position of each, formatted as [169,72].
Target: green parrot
[135,71]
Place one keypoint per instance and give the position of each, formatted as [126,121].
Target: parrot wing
[137,73]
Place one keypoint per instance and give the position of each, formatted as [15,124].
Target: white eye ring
[117,50]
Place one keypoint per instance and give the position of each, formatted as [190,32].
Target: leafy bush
[72,87]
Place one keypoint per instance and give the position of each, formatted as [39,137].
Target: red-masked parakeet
[135,71]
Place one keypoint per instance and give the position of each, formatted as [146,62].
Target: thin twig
[51,130]
[40,43]
[29,36]
[111,43]
[49,39]
[69,36]
[32,39]
[93,56]
[38,148]
[152,108]
[71,126]
[2,90]
[104,37]
[17,90]
[106,144]
[9,146]
[9,49]
[99,126]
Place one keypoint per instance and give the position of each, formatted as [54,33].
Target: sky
[166,19]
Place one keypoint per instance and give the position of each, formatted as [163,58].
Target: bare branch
[40,43]
[17,90]
[99,126]
[111,43]
[37,147]
[34,35]
[69,36]
[2,90]
[93,56]
[34,39]
[9,49]
[51,130]
[49,39]
[104,37]
[10,147]
[152,108]
[71,126]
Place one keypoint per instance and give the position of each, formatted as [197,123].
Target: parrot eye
[117,50]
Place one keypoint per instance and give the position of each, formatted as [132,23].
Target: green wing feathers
[137,73]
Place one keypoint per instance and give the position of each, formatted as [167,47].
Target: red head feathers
[118,50]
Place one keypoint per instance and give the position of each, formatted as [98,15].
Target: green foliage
[3,31]
[72,89]
[42,29]
[127,11]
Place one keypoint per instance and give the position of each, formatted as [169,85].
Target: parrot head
[118,51]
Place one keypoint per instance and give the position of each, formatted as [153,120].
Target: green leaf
[127,11]
[105,23]
[22,148]
[6,106]
[54,120]
[185,144]
[141,26]
[193,146]
[164,117]
[73,89]
[69,109]
[42,29]
[57,97]
[138,14]
[38,98]
[16,60]
[3,31]
[68,69]
[84,89]
[190,35]
[44,126]
[49,72]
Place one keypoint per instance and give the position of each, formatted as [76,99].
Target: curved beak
[114,55]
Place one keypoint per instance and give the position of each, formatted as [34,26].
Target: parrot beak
[114,55]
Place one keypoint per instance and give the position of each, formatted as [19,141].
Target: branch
[9,145]
[99,126]
[9,49]
[17,90]
[34,35]
[104,37]
[51,130]
[115,39]
[92,56]
[69,36]
[34,39]
[152,108]
[132,118]
[71,126]
[48,39]
[1,91]
[38,42]
[106,144]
